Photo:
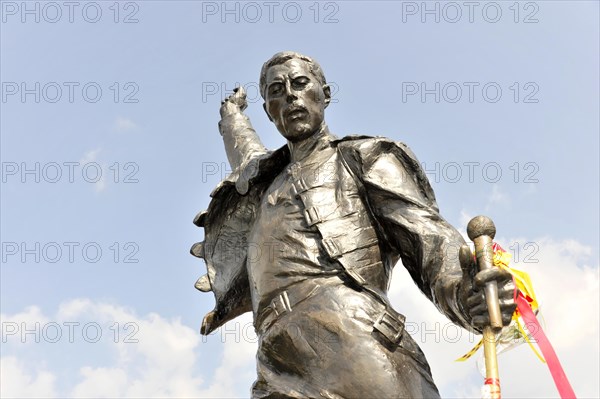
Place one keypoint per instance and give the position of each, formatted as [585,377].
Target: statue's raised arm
[241,141]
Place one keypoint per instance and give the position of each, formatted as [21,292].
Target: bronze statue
[306,237]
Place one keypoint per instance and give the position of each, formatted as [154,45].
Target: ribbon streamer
[558,374]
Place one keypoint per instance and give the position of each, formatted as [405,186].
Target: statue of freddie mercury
[306,237]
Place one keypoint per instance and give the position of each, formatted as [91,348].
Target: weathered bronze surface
[306,237]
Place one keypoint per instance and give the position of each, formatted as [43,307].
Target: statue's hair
[284,56]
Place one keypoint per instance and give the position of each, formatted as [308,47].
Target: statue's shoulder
[370,148]
[388,164]
[358,140]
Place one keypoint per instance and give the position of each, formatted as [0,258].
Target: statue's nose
[290,94]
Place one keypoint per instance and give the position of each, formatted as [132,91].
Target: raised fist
[235,103]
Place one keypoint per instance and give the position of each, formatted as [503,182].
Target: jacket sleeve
[403,203]
[240,139]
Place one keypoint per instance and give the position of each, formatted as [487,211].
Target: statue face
[295,100]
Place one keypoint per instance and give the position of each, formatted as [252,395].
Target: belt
[282,303]
[389,323]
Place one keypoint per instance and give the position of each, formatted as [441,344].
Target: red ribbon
[492,381]
[558,374]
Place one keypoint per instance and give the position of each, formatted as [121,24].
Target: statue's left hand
[471,291]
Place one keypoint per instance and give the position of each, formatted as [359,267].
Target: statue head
[295,93]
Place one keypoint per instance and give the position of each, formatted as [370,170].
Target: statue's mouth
[296,112]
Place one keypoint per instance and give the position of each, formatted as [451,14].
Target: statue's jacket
[372,205]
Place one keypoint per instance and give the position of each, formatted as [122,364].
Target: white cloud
[24,327]
[465,218]
[123,124]
[94,172]
[159,362]
[101,382]
[238,360]
[24,381]
[164,358]
[91,155]
[30,315]
[496,198]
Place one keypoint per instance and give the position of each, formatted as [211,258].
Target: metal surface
[306,237]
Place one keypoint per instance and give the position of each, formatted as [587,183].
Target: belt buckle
[281,304]
[390,325]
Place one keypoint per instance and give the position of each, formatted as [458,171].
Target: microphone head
[481,226]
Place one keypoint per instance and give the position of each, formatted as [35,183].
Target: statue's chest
[293,195]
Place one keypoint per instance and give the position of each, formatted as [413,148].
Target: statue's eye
[300,82]
[276,88]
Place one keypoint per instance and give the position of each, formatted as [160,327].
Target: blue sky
[117,123]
